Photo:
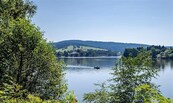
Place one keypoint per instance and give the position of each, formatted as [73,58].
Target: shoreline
[99,57]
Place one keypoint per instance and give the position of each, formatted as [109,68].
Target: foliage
[17,9]
[87,53]
[11,90]
[168,53]
[130,52]
[156,52]
[28,64]
[129,75]
[84,51]
[31,61]
[145,93]
[101,95]
[70,98]
[84,48]
[13,93]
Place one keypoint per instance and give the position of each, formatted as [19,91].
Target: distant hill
[114,46]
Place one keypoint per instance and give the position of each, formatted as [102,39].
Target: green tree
[25,56]
[101,95]
[65,53]
[145,93]
[17,9]
[129,74]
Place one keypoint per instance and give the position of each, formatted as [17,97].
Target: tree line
[86,53]
[156,52]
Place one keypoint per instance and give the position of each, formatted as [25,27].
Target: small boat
[96,67]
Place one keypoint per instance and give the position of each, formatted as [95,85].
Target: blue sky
[129,21]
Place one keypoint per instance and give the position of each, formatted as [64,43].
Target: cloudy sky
[129,21]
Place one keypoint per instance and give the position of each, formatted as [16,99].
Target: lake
[81,75]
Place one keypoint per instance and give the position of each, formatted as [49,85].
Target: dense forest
[156,52]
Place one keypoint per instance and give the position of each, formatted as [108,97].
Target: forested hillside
[84,51]
[114,46]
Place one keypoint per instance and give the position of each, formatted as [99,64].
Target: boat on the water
[96,67]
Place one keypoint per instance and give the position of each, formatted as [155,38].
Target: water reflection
[165,76]
[91,62]
[164,63]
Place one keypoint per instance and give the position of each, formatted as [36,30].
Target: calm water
[81,76]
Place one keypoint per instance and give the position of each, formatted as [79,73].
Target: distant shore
[94,57]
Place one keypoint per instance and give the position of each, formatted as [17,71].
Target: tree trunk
[20,69]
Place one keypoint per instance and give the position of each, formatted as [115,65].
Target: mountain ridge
[114,46]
